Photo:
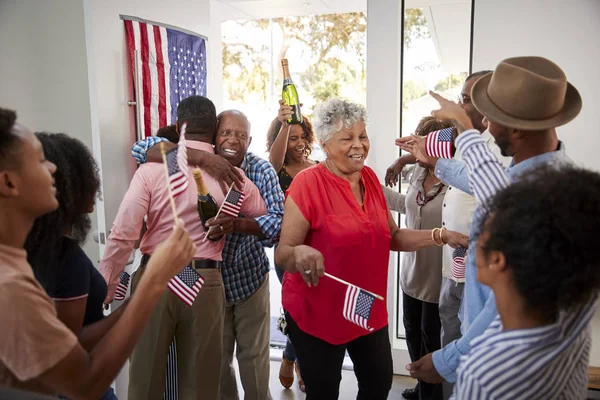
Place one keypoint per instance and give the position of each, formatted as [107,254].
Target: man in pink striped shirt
[198,329]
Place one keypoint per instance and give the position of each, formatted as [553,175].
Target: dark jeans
[321,366]
[422,325]
[289,353]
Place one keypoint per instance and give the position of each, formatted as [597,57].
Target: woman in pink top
[336,219]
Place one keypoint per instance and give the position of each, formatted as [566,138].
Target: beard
[504,146]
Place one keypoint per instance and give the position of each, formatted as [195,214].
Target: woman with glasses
[421,271]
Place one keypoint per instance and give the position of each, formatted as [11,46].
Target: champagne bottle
[207,206]
[290,94]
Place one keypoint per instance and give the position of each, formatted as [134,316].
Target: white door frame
[384,103]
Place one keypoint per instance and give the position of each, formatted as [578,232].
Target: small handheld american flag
[233,203]
[121,290]
[357,306]
[177,166]
[186,285]
[439,143]
[458,262]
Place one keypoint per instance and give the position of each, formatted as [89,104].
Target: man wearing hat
[522,102]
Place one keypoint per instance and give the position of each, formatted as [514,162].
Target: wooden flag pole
[335,278]
[172,200]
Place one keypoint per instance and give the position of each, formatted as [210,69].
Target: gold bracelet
[440,242]
[433,235]
[442,237]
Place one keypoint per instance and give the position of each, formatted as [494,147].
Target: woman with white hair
[336,219]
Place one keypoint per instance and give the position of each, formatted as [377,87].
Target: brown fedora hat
[528,93]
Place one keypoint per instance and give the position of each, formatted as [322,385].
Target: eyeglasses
[464,99]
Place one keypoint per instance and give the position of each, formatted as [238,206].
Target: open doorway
[327,58]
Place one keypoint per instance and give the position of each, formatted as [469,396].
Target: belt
[196,264]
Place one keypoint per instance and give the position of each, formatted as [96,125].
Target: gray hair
[333,115]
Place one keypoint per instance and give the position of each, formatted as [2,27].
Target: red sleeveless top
[355,244]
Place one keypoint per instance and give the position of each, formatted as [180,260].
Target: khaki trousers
[199,334]
[247,324]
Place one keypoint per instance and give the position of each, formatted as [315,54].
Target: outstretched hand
[415,145]
[451,111]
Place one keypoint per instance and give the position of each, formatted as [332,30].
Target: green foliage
[451,81]
[411,91]
[415,25]
[326,37]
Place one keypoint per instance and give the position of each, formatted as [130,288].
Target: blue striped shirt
[548,362]
[245,262]
[485,176]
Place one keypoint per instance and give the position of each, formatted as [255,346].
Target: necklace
[422,200]
[361,186]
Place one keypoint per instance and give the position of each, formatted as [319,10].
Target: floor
[348,387]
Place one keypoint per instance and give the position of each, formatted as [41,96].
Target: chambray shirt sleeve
[271,192]
[447,359]
[141,147]
[486,174]
[453,173]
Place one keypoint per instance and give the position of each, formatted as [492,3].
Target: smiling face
[233,137]
[30,182]
[348,148]
[297,144]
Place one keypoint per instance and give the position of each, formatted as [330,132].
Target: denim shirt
[483,176]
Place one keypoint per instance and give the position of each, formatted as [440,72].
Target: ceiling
[257,9]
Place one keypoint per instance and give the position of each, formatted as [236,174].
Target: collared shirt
[485,176]
[420,275]
[457,211]
[541,363]
[245,262]
[148,194]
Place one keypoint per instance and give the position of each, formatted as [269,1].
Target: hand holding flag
[176,169]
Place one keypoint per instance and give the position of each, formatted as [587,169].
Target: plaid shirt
[245,262]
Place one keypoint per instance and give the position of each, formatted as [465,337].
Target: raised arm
[486,175]
[279,148]
[393,172]
[216,166]
[80,375]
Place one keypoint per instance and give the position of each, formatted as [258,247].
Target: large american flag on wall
[172,66]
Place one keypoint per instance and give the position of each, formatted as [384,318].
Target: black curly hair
[169,132]
[544,225]
[8,141]
[307,128]
[77,181]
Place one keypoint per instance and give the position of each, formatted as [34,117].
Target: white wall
[114,89]
[44,70]
[113,80]
[566,32]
